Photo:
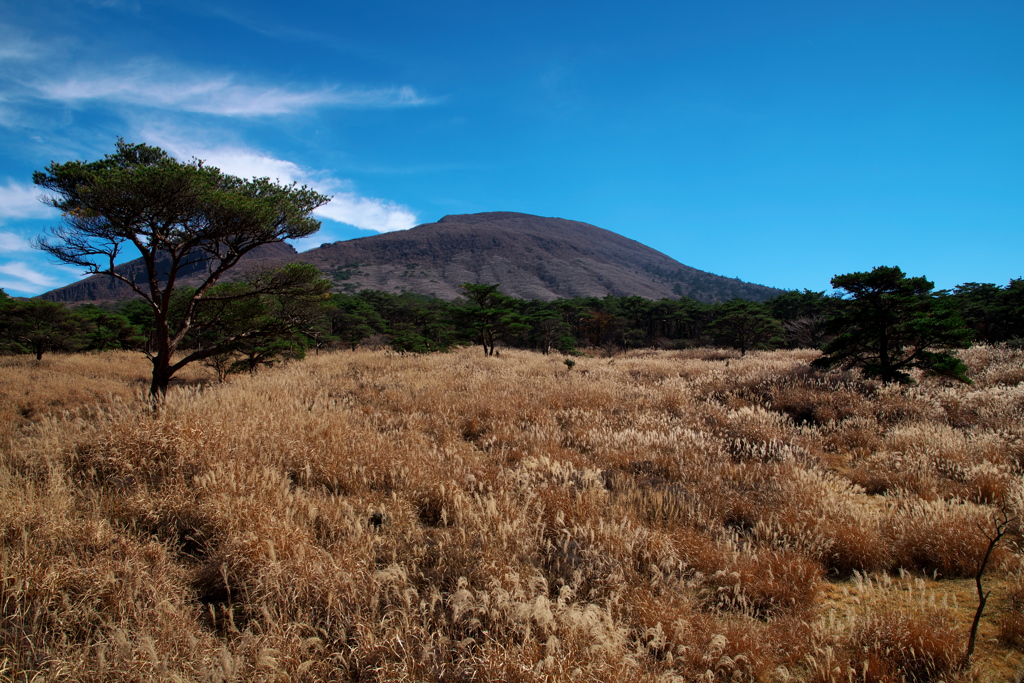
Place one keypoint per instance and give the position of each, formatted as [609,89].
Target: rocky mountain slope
[103,288]
[531,257]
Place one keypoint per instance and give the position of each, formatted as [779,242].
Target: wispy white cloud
[21,200]
[8,116]
[15,46]
[236,160]
[366,213]
[27,275]
[10,242]
[346,206]
[153,84]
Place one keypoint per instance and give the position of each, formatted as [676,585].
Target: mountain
[103,288]
[531,257]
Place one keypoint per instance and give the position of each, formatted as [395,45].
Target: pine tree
[890,323]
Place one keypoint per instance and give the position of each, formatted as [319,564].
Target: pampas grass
[650,516]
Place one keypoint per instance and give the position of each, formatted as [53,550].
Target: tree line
[190,216]
[295,314]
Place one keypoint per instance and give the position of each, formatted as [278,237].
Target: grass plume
[652,516]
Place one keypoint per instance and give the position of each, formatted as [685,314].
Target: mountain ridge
[531,257]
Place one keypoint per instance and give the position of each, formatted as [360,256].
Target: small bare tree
[1002,522]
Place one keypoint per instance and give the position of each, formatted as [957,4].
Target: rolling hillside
[532,257]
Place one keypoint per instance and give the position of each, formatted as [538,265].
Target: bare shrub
[818,403]
[942,538]
[859,436]
[894,403]
[898,646]
[765,584]
[897,633]
[1011,623]
[994,365]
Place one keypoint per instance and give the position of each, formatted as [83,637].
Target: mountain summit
[531,257]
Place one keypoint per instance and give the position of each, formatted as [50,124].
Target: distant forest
[420,324]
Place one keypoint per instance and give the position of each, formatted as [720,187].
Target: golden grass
[367,516]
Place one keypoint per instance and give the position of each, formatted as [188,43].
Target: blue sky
[780,142]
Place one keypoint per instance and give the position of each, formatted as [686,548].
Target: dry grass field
[366,516]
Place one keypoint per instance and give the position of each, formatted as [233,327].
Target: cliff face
[531,257]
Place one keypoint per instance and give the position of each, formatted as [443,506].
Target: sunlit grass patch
[374,516]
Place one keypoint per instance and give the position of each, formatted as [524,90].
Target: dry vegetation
[365,516]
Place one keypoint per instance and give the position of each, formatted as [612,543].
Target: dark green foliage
[265,312]
[548,331]
[260,320]
[8,345]
[419,323]
[353,319]
[599,326]
[409,322]
[433,320]
[174,214]
[39,327]
[890,323]
[803,316]
[746,325]
[1012,309]
[36,326]
[410,341]
[253,356]
[996,314]
[139,313]
[638,321]
[491,315]
[105,329]
[635,322]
